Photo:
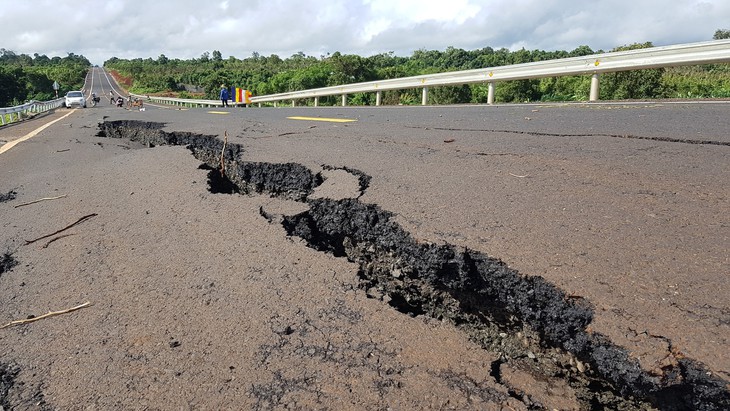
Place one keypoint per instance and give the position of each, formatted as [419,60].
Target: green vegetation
[268,75]
[24,78]
[721,34]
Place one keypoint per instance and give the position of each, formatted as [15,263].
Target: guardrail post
[594,88]
[293,103]
[316,102]
[378,98]
[344,100]
[424,96]
[490,93]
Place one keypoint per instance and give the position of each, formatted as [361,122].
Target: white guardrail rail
[12,114]
[182,102]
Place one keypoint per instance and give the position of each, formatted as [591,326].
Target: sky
[186,29]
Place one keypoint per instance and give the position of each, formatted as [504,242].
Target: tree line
[24,78]
[202,77]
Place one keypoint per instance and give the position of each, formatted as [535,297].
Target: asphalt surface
[623,205]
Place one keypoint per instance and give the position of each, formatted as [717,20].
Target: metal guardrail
[183,102]
[716,51]
[12,114]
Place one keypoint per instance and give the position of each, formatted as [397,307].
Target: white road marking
[7,146]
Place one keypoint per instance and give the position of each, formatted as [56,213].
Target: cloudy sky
[185,29]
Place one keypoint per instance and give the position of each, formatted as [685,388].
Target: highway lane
[98,81]
[614,203]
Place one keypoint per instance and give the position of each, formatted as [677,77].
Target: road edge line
[10,144]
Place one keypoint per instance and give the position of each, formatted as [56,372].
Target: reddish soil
[124,82]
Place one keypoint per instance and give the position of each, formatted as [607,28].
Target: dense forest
[24,78]
[202,77]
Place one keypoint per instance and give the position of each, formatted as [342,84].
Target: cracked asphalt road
[192,308]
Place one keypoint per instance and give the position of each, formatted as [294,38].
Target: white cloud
[416,11]
[187,28]
[373,28]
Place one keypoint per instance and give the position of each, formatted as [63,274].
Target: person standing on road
[224,95]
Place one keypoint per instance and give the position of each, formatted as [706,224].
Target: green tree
[10,86]
[565,88]
[721,34]
[25,78]
[450,94]
[349,68]
[581,51]
[635,84]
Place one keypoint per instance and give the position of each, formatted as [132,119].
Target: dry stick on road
[49,314]
[223,152]
[57,238]
[39,200]
[80,220]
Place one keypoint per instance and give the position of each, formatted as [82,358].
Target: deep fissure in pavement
[288,180]
[478,293]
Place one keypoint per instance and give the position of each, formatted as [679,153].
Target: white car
[75,98]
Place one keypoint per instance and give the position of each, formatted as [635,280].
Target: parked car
[75,98]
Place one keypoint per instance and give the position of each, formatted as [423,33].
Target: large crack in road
[528,321]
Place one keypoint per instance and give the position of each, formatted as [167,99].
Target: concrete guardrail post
[594,88]
[490,93]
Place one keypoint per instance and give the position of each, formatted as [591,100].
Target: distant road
[99,81]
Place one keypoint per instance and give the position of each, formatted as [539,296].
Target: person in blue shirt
[224,95]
